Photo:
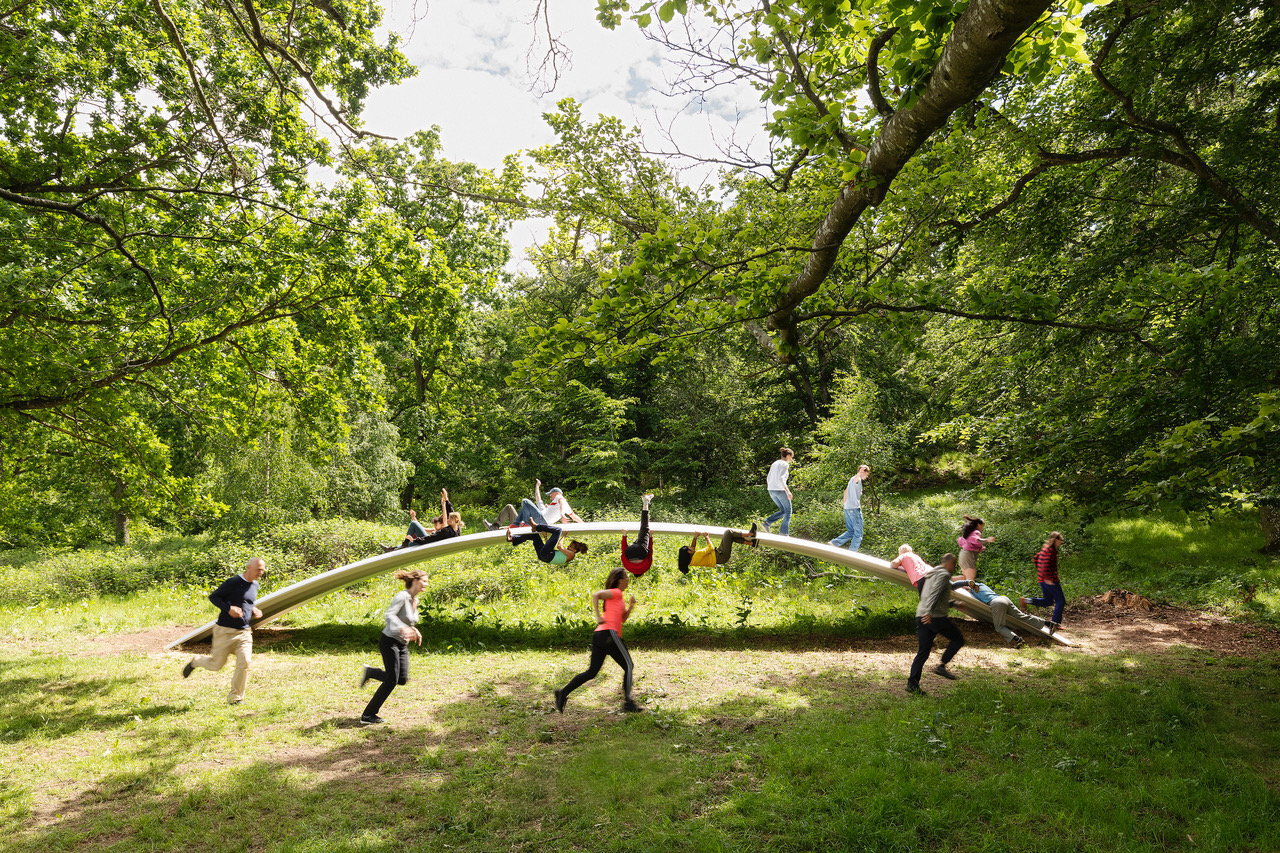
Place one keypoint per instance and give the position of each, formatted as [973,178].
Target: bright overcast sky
[474,82]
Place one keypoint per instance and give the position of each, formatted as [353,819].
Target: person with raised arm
[555,510]
[446,525]
[972,543]
[606,641]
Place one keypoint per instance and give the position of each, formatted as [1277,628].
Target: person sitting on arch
[553,511]
[549,550]
[446,525]
[638,556]
[708,556]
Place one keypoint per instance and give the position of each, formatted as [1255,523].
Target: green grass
[775,713]
[754,749]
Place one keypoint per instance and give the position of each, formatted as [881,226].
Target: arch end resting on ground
[281,601]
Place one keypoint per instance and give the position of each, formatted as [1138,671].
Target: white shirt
[556,510]
[778,473]
[853,493]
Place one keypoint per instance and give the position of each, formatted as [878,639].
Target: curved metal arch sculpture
[281,601]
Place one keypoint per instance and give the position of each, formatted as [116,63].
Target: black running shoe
[942,670]
[186,670]
[631,707]
[560,700]
[370,720]
[366,674]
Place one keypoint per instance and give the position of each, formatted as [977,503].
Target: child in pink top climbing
[972,543]
[911,563]
[610,613]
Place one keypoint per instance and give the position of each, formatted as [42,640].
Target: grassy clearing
[775,721]
[755,748]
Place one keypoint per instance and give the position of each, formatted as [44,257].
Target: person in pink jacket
[972,543]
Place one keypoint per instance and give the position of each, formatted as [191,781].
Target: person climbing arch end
[708,556]
[637,557]
[549,550]
[610,613]
[911,563]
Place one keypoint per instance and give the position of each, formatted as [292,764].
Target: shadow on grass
[850,767]
[464,636]
[44,708]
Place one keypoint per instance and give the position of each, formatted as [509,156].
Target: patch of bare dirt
[1119,621]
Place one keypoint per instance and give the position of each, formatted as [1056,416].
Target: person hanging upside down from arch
[607,638]
[549,550]
[638,556]
[707,556]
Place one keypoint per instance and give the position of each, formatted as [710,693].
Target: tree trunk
[121,516]
[1269,518]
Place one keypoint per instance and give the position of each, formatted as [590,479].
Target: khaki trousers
[226,642]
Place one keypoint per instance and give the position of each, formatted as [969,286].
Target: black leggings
[643,546]
[546,550]
[395,663]
[926,634]
[604,643]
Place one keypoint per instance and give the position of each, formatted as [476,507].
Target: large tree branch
[1186,157]
[982,38]
[873,72]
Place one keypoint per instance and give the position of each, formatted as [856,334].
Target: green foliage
[852,436]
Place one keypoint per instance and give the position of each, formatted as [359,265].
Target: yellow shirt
[704,557]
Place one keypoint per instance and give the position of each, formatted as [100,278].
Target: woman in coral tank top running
[610,613]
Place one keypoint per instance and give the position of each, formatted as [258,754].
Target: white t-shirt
[853,493]
[778,473]
[557,509]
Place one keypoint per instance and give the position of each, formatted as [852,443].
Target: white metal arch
[281,601]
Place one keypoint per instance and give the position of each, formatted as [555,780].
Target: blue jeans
[529,512]
[1051,593]
[784,511]
[546,550]
[852,530]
